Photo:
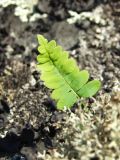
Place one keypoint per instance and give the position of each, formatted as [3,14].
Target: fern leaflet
[61,74]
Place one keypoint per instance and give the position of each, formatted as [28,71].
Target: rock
[4,107]
[18,157]
[29,153]
[10,144]
[65,34]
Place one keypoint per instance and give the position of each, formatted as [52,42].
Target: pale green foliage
[61,73]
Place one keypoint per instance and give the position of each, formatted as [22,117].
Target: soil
[31,128]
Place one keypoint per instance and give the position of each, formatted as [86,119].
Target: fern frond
[61,73]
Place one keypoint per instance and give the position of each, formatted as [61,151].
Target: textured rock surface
[30,126]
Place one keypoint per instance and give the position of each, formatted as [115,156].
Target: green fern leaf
[61,73]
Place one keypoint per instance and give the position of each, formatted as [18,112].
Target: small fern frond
[61,73]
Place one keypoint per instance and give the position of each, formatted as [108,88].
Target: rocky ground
[31,128]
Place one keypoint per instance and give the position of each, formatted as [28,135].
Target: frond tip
[61,74]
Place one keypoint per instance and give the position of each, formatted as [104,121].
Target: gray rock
[65,34]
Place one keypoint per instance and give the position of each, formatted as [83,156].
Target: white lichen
[95,16]
[23,7]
